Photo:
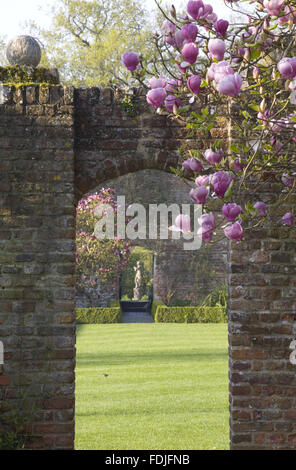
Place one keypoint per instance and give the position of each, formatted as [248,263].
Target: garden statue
[23,51]
[138,290]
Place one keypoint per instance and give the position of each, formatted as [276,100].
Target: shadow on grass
[140,358]
[198,410]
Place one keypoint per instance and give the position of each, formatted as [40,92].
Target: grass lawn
[167,387]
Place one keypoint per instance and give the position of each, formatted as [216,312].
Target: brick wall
[50,135]
[37,229]
[262,314]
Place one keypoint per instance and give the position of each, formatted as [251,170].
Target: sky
[16,13]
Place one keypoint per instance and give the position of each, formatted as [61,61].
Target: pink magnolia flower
[287,67]
[173,84]
[197,9]
[273,7]
[172,101]
[205,233]
[190,52]
[288,180]
[234,231]
[202,180]
[213,157]
[193,164]
[182,224]
[290,15]
[220,182]
[199,195]
[207,225]
[230,85]
[288,219]
[157,82]
[189,32]
[194,83]
[221,27]
[168,27]
[179,39]
[131,60]
[217,48]
[218,71]
[207,220]
[156,97]
[239,165]
[261,208]
[231,211]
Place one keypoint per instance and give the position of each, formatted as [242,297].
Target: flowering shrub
[97,261]
[249,72]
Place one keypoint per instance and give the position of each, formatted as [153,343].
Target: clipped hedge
[190,314]
[155,305]
[114,303]
[98,315]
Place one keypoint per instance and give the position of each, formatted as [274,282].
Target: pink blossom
[168,27]
[199,195]
[197,9]
[221,27]
[205,233]
[260,207]
[182,224]
[287,67]
[194,83]
[190,52]
[202,180]
[131,60]
[189,32]
[288,180]
[231,211]
[288,219]
[217,48]
[192,164]
[230,85]
[156,97]
[273,7]
[207,225]
[157,82]
[218,71]
[220,182]
[173,84]
[238,164]
[207,220]
[213,157]
[172,101]
[234,232]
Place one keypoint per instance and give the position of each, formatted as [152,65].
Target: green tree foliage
[87,38]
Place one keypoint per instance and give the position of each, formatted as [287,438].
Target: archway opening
[160,384]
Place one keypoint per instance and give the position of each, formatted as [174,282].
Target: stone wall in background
[179,275]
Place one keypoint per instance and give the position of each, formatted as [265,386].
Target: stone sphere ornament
[23,51]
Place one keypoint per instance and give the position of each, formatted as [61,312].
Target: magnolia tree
[248,73]
[98,261]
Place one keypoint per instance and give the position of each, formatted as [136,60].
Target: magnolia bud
[287,83]
[247,55]
[173,12]
[262,106]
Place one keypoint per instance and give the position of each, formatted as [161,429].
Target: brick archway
[58,143]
